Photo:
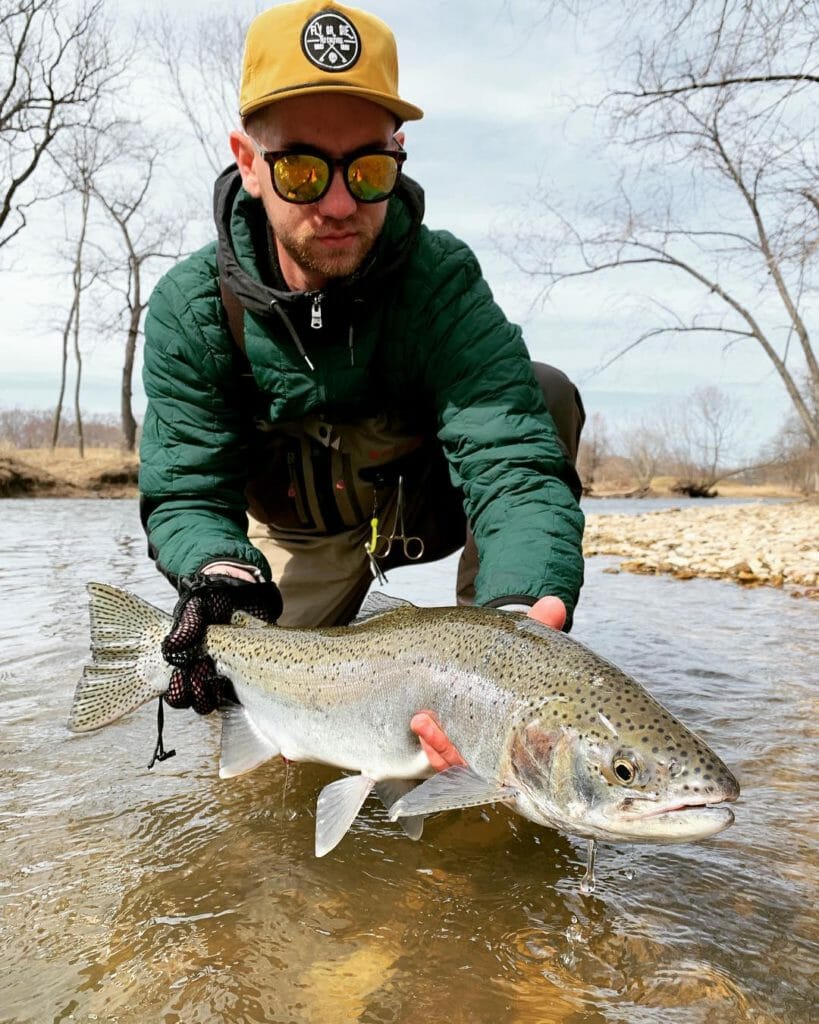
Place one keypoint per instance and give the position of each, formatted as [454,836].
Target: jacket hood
[241,227]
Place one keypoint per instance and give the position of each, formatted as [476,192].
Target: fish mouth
[675,823]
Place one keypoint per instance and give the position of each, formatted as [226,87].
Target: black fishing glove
[209,600]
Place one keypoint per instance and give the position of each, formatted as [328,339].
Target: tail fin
[127,668]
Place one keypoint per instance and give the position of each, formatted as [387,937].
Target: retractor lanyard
[160,753]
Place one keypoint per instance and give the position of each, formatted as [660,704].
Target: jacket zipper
[316,321]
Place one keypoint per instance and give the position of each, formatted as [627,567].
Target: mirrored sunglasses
[305,175]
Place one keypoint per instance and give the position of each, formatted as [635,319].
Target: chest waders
[315,488]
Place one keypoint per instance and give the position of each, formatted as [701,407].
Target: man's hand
[207,599]
[435,743]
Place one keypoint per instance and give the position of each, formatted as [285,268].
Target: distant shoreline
[62,473]
[752,544]
[112,473]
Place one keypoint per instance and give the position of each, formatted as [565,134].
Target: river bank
[64,473]
[753,544]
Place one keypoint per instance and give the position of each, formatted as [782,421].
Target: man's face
[330,238]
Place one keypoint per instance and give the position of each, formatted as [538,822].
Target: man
[342,372]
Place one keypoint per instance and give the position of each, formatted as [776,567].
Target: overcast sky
[498,87]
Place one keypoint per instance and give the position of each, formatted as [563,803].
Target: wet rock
[754,545]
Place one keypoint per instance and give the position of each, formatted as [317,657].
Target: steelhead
[545,725]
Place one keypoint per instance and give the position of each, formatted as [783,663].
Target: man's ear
[399,138]
[245,154]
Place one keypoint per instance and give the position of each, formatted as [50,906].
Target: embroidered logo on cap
[331,42]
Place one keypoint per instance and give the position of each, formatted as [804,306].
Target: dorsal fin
[377,603]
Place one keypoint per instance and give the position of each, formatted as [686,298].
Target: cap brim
[403,111]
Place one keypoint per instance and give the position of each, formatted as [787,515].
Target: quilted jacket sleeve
[500,441]
[193,461]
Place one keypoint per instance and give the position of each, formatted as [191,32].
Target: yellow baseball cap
[314,46]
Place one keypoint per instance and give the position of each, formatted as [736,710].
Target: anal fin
[337,808]
[243,746]
[450,790]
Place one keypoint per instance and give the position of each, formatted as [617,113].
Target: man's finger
[204,686]
[178,692]
[179,646]
[434,741]
[551,611]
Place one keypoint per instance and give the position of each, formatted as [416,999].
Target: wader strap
[235,314]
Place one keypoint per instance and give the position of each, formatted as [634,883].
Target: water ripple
[172,895]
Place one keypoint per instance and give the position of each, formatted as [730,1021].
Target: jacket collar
[242,232]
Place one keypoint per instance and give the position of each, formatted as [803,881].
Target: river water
[169,896]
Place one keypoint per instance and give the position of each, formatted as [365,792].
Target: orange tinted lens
[301,178]
[372,177]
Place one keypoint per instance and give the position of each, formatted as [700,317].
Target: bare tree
[147,234]
[791,450]
[703,45]
[56,59]
[594,450]
[202,62]
[81,156]
[703,439]
[31,428]
[57,417]
[717,126]
[80,282]
[645,446]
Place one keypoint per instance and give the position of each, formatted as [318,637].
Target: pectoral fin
[243,746]
[390,792]
[448,790]
[337,808]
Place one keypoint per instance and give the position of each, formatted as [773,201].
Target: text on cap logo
[331,42]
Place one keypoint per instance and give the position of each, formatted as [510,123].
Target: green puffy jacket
[415,331]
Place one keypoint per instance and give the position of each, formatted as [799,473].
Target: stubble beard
[309,254]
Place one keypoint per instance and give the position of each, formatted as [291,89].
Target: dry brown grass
[62,472]
[66,463]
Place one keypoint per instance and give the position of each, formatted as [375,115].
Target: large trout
[545,725]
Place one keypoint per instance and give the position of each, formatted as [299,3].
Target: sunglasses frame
[271,156]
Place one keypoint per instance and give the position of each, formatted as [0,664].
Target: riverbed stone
[753,544]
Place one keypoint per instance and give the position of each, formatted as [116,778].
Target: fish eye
[625,770]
